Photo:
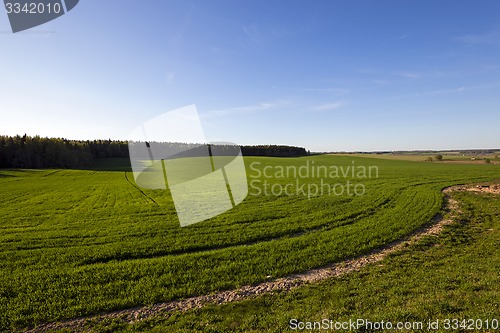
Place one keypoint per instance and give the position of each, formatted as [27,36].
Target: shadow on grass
[6,176]
[98,164]
[10,173]
[109,164]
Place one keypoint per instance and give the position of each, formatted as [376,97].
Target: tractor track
[450,206]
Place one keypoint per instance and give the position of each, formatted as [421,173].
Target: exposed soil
[492,189]
[451,207]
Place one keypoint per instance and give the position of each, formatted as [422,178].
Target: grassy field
[452,276]
[79,242]
[454,157]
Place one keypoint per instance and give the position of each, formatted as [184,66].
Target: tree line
[274,151]
[35,152]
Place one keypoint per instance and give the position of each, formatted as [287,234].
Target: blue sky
[325,75]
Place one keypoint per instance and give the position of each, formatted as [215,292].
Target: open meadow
[81,242]
[447,157]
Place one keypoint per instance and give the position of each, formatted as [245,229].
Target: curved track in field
[282,284]
[139,189]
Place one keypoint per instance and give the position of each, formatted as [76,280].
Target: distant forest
[36,152]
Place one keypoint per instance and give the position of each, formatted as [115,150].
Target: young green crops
[80,242]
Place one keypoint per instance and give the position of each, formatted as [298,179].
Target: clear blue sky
[325,75]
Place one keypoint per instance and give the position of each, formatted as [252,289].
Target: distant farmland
[80,242]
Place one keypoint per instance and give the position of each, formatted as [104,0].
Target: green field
[452,276]
[447,157]
[80,242]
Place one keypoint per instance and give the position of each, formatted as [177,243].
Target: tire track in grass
[347,220]
[130,316]
[86,200]
[51,173]
[138,188]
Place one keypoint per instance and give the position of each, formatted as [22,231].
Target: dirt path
[492,189]
[281,284]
